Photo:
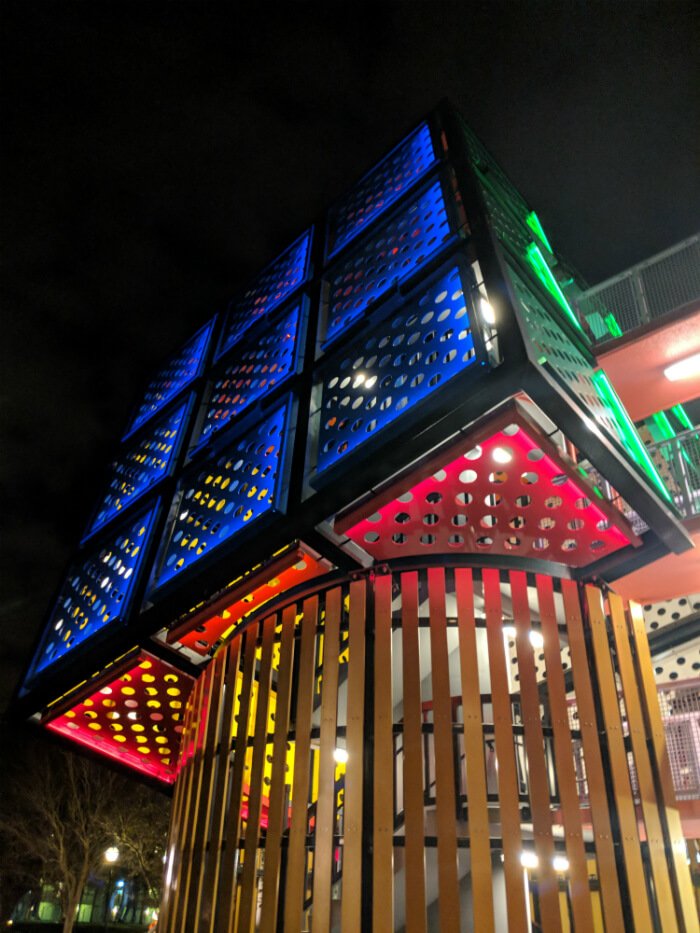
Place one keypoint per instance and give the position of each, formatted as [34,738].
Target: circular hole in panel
[467,476]
[523,501]
[374,518]
[576,524]
[510,430]
[459,520]
[464,498]
[474,453]
[405,497]
[493,499]
[498,477]
[433,497]
[455,540]
[399,538]
[597,545]
[559,479]
[431,519]
[603,525]
[440,476]
[484,542]
[427,540]
[582,503]
[553,502]
[540,544]
[511,543]
[535,454]
[488,521]
[402,518]
[502,455]
[517,522]
[546,523]
[529,478]
[371,537]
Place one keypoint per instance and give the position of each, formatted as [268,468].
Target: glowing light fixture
[628,432]
[684,369]
[536,639]
[340,756]
[529,860]
[560,863]
[533,222]
[541,268]
[501,455]
[509,631]
[111,855]
[487,312]
[682,416]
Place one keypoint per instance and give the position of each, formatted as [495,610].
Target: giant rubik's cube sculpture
[344,587]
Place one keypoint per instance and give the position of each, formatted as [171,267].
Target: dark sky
[154,156]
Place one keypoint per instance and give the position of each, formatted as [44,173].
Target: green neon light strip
[544,274]
[612,325]
[628,432]
[664,425]
[533,222]
[682,416]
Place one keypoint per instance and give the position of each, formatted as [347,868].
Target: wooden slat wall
[214,885]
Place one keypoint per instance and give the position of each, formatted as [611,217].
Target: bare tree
[60,813]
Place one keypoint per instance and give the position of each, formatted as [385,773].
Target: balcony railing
[678,462]
[644,293]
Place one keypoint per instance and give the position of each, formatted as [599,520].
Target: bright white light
[111,854]
[487,312]
[340,755]
[536,639]
[684,369]
[132,715]
[509,631]
[560,863]
[501,455]
[529,860]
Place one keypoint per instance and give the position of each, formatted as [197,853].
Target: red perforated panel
[506,490]
[289,570]
[135,719]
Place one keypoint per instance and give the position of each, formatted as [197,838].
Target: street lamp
[111,855]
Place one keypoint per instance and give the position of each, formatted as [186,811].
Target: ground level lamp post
[111,856]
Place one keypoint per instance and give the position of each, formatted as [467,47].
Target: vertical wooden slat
[204,791]
[538,786]
[619,769]
[225,903]
[383,855]
[212,857]
[446,804]
[189,806]
[579,887]
[508,791]
[414,818]
[352,843]
[683,888]
[645,779]
[248,897]
[179,814]
[602,830]
[477,800]
[297,855]
[325,808]
[271,876]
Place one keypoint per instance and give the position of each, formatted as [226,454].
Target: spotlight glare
[683,369]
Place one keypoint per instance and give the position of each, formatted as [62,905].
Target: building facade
[356,588]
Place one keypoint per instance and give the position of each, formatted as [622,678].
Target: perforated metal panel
[385,258]
[489,169]
[401,361]
[380,188]
[173,377]
[97,591]
[225,494]
[141,466]
[255,367]
[135,719]
[273,286]
[552,345]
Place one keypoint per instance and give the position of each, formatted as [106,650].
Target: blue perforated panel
[380,188]
[268,291]
[225,494]
[255,367]
[97,591]
[141,466]
[178,372]
[404,359]
[386,257]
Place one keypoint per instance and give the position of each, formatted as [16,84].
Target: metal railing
[678,462]
[645,292]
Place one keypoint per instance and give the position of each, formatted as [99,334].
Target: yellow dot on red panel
[94,725]
[119,738]
[128,691]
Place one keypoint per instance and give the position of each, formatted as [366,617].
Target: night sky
[155,156]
